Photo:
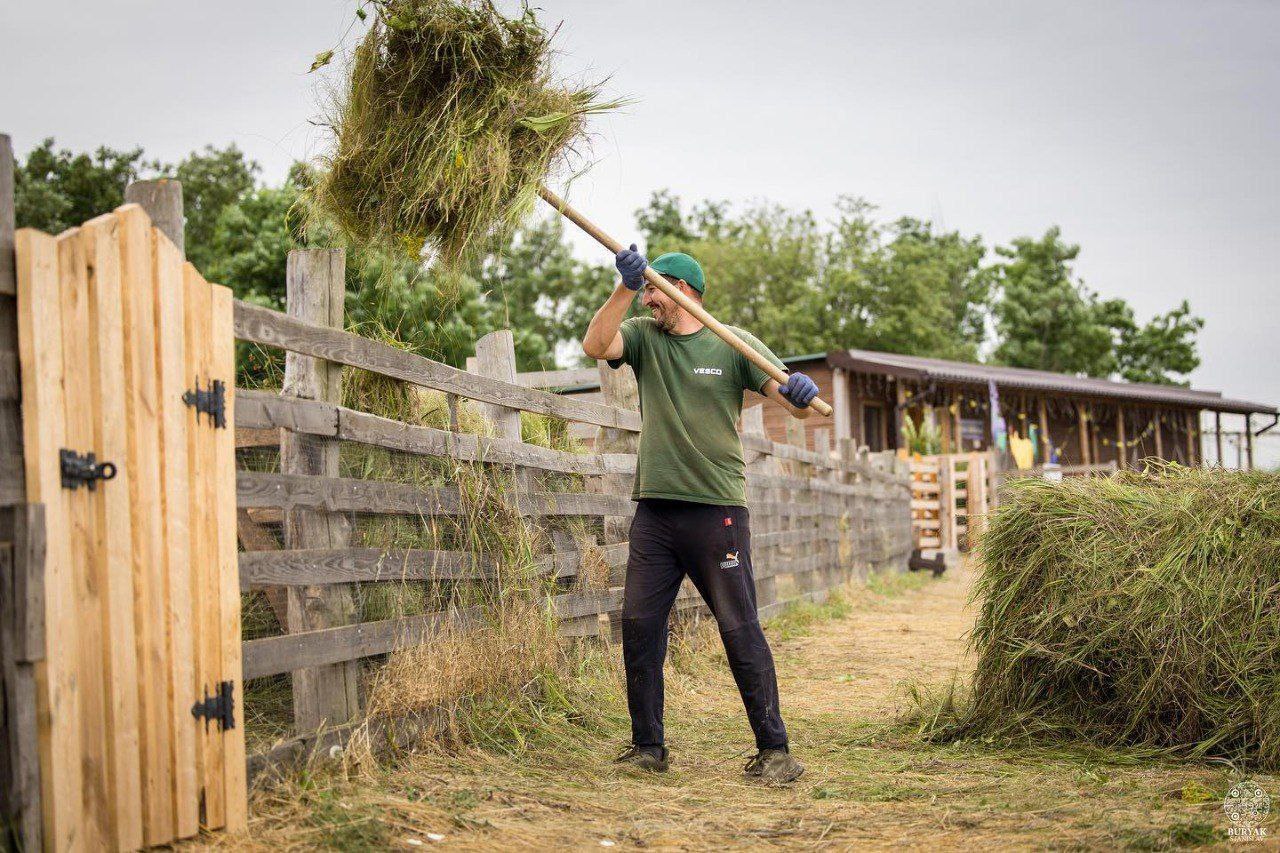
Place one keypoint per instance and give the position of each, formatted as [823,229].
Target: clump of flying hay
[448,125]
[1141,610]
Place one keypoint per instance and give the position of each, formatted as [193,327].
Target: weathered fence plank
[338,494]
[19,733]
[260,569]
[271,328]
[291,652]
[265,410]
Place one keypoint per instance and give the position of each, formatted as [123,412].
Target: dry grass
[1133,611]
[448,125]
[844,669]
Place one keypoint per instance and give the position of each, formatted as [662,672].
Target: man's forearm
[604,325]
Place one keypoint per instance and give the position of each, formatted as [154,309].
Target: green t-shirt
[690,399]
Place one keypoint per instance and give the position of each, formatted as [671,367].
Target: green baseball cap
[681,266]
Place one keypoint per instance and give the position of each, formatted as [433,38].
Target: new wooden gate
[127,377]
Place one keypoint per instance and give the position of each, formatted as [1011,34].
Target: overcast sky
[1149,131]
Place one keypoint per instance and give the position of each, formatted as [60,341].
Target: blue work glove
[631,266]
[799,390]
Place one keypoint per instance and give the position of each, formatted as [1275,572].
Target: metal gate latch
[212,401]
[219,707]
[83,469]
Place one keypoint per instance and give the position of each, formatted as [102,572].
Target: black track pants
[712,545]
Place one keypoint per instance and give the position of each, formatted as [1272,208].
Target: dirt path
[842,681]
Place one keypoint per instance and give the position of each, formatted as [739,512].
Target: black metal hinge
[83,469]
[212,401]
[220,707]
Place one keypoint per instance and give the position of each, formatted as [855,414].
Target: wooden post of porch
[1191,438]
[1044,430]
[1217,436]
[1083,421]
[901,398]
[1248,440]
[1155,418]
[1121,460]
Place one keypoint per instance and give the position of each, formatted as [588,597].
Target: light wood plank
[222,341]
[113,573]
[57,688]
[82,504]
[141,407]
[175,506]
[205,571]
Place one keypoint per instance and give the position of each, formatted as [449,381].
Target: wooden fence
[817,517]
[120,337]
[952,492]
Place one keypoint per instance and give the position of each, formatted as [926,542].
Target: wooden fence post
[162,200]
[947,540]
[496,358]
[323,695]
[21,562]
[766,559]
[618,388]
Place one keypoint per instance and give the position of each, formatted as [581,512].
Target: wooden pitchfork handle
[817,404]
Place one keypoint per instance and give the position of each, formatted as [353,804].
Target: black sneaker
[655,759]
[774,766]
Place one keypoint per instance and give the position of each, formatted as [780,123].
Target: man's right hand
[631,266]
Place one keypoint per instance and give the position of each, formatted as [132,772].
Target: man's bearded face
[664,310]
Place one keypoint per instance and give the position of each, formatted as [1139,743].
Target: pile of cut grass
[447,127]
[1141,610]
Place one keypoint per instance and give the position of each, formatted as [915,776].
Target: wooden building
[1078,420]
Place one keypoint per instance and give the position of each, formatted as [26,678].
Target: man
[691,516]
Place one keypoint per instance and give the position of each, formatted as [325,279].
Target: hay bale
[448,125]
[1142,609]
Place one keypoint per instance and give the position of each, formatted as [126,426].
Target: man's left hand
[799,390]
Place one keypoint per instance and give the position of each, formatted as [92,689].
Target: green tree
[1045,317]
[805,286]
[927,293]
[1162,348]
[212,180]
[534,286]
[57,190]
